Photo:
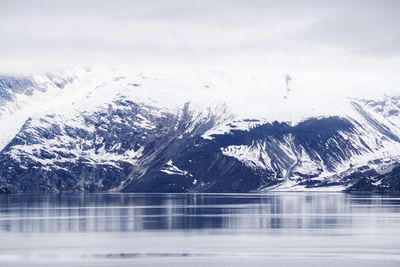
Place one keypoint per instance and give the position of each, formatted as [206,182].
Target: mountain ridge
[117,134]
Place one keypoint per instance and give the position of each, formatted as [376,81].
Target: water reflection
[137,212]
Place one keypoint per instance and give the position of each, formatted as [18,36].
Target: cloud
[368,29]
[339,39]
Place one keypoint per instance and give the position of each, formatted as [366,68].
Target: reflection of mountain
[120,212]
[128,134]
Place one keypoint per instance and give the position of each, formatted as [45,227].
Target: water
[279,229]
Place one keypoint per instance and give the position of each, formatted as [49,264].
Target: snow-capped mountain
[102,130]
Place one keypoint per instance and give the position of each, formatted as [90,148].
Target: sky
[337,46]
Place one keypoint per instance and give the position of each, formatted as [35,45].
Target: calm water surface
[277,229]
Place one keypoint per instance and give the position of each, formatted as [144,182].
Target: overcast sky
[334,43]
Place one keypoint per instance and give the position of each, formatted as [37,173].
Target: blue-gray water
[278,229]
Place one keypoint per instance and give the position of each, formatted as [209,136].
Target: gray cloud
[370,28]
[328,36]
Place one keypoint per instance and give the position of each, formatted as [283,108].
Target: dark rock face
[391,181]
[215,172]
[386,183]
[98,151]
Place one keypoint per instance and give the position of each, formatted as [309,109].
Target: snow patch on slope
[171,169]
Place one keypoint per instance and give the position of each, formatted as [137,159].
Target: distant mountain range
[86,130]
